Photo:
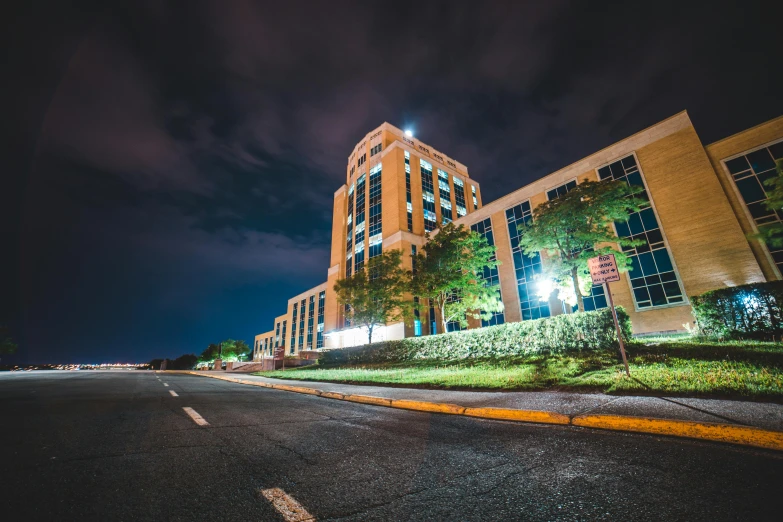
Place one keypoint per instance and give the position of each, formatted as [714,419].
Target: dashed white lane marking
[166,385]
[290,509]
[198,419]
[173,393]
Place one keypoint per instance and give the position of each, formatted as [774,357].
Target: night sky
[170,166]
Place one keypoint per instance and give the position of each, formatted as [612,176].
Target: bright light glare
[544,289]
[409,133]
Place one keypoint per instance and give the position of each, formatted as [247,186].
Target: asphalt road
[119,446]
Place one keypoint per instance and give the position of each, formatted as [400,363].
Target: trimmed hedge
[583,331]
[753,311]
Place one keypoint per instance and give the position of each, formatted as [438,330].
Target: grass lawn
[665,366]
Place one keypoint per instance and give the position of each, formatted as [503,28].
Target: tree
[772,233]
[570,228]
[183,362]
[7,345]
[226,350]
[373,296]
[210,353]
[448,273]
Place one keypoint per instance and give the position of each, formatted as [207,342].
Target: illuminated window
[321,305]
[376,212]
[293,327]
[301,323]
[428,196]
[408,190]
[526,268]
[282,335]
[349,235]
[445,196]
[359,240]
[310,321]
[490,275]
[459,197]
[749,172]
[475,199]
[277,335]
[653,278]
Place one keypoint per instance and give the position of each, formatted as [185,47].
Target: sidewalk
[767,416]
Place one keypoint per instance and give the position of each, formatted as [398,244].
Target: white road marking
[290,509]
[166,385]
[198,419]
[173,393]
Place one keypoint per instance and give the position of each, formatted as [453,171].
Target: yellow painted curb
[297,389]
[542,417]
[693,430]
[728,433]
[332,395]
[367,399]
[435,407]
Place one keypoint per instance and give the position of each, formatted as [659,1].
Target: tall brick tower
[396,189]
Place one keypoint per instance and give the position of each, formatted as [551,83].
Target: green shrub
[753,311]
[583,331]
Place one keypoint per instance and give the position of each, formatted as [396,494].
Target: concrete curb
[727,433]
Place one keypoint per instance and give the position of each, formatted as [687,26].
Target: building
[704,202]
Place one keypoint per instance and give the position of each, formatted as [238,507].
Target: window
[560,191]
[321,305]
[526,268]
[361,161]
[433,323]
[348,236]
[653,278]
[416,313]
[301,323]
[375,150]
[408,190]
[376,212]
[428,196]
[475,199]
[490,275]
[293,327]
[359,240]
[277,335]
[282,335]
[459,197]
[310,320]
[445,196]
[749,173]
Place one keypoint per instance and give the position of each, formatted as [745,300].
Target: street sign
[603,269]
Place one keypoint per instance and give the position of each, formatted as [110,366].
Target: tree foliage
[374,295]
[227,350]
[772,233]
[7,345]
[183,362]
[576,226]
[449,270]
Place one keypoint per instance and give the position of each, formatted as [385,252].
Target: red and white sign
[603,269]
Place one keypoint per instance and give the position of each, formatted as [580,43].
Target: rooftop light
[409,133]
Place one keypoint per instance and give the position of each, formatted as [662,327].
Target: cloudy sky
[170,165]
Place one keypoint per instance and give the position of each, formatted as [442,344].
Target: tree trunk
[369,334]
[443,323]
[580,303]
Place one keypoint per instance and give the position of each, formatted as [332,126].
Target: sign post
[603,270]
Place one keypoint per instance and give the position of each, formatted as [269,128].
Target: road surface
[135,445]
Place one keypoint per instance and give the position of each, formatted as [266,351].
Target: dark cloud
[172,164]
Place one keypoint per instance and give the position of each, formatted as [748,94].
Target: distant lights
[409,133]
